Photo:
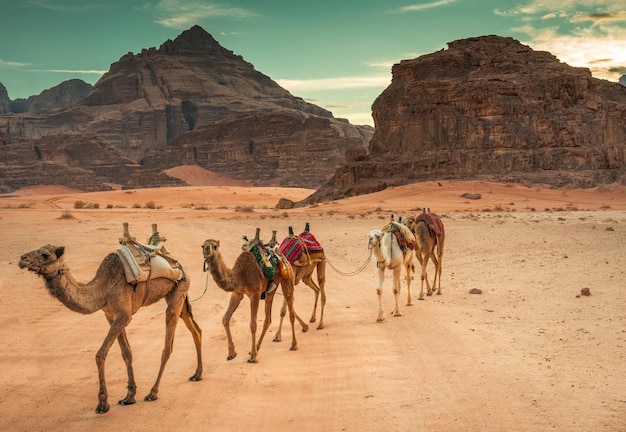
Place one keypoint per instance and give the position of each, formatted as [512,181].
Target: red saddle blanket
[433,221]
[293,247]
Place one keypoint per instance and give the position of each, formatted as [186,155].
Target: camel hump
[433,221]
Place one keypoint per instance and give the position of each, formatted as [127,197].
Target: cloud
[354,82]
[64,6]
[12,63]
[71,71]
[182,14]
[424,6]
[581,33]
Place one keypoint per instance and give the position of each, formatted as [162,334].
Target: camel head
[210,250]
[373,238]
[44,261]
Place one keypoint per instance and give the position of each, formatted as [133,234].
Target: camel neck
[74,295]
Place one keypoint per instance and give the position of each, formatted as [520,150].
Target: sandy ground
[528,354]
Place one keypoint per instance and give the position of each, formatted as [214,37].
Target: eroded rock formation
[490,108]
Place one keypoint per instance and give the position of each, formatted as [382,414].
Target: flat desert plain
[530,353]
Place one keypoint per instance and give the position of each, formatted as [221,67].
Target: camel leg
[379,291]
[254,310]
[127,355]
[424,277]
[440,266]
[288,293]
[117,326]
[396,291]
[321,282]
[283,312]
[308,281]
[408,268]
[196,333]
[235,299]
[175,301]
[269,300]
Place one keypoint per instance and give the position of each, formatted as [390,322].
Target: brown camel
[108,291]
[308,261]
[430,242]
[246,278]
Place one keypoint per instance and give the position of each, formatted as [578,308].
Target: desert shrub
[66,215]
[150,204]
[78,204]
[244,209]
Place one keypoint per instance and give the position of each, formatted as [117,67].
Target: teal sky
[334,53]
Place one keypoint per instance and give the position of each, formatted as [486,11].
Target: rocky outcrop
[176,104]
[490,108]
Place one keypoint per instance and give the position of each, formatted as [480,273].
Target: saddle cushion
[137,265]
[293,247]
[433,222]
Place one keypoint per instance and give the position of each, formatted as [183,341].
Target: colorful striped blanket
[293,247]
[433,222]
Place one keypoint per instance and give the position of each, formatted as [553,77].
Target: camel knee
[379,291]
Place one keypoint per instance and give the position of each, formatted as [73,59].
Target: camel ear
[59,251]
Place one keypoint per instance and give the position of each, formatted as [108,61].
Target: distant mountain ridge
[146,103]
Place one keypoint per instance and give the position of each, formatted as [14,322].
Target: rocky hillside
[490,108]
[169,106]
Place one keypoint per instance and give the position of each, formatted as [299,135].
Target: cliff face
[153,107]
[491,108]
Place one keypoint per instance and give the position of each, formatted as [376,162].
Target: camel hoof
[438,293]
[230,357]
[151,397]
[195,378]
[252,360]
[319,327]
[277,338]
[312,320]
[127,401]
[409,304]
[305,328]
[421,298]
[293,348]
[380,319]
[102,409]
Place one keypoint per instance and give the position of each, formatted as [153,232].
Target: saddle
[268,259]
[406,239]
[433,222]
[143,262]
[298,249]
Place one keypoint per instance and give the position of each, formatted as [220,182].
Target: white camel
[391,255]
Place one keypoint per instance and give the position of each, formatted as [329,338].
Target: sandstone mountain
[490,108]
[191,101]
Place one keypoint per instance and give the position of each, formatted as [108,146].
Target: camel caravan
[138,275]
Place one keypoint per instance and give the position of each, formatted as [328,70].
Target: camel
[430,242]
[304,265]
[110,292]
[246,278]
[390,254]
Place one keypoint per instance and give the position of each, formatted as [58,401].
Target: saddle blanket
[137,265]
[433,221]
[293,247]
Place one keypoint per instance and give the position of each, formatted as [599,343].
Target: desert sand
[528,354]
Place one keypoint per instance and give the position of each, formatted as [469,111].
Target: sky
[337,54]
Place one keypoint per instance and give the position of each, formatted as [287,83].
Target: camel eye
[45,255]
